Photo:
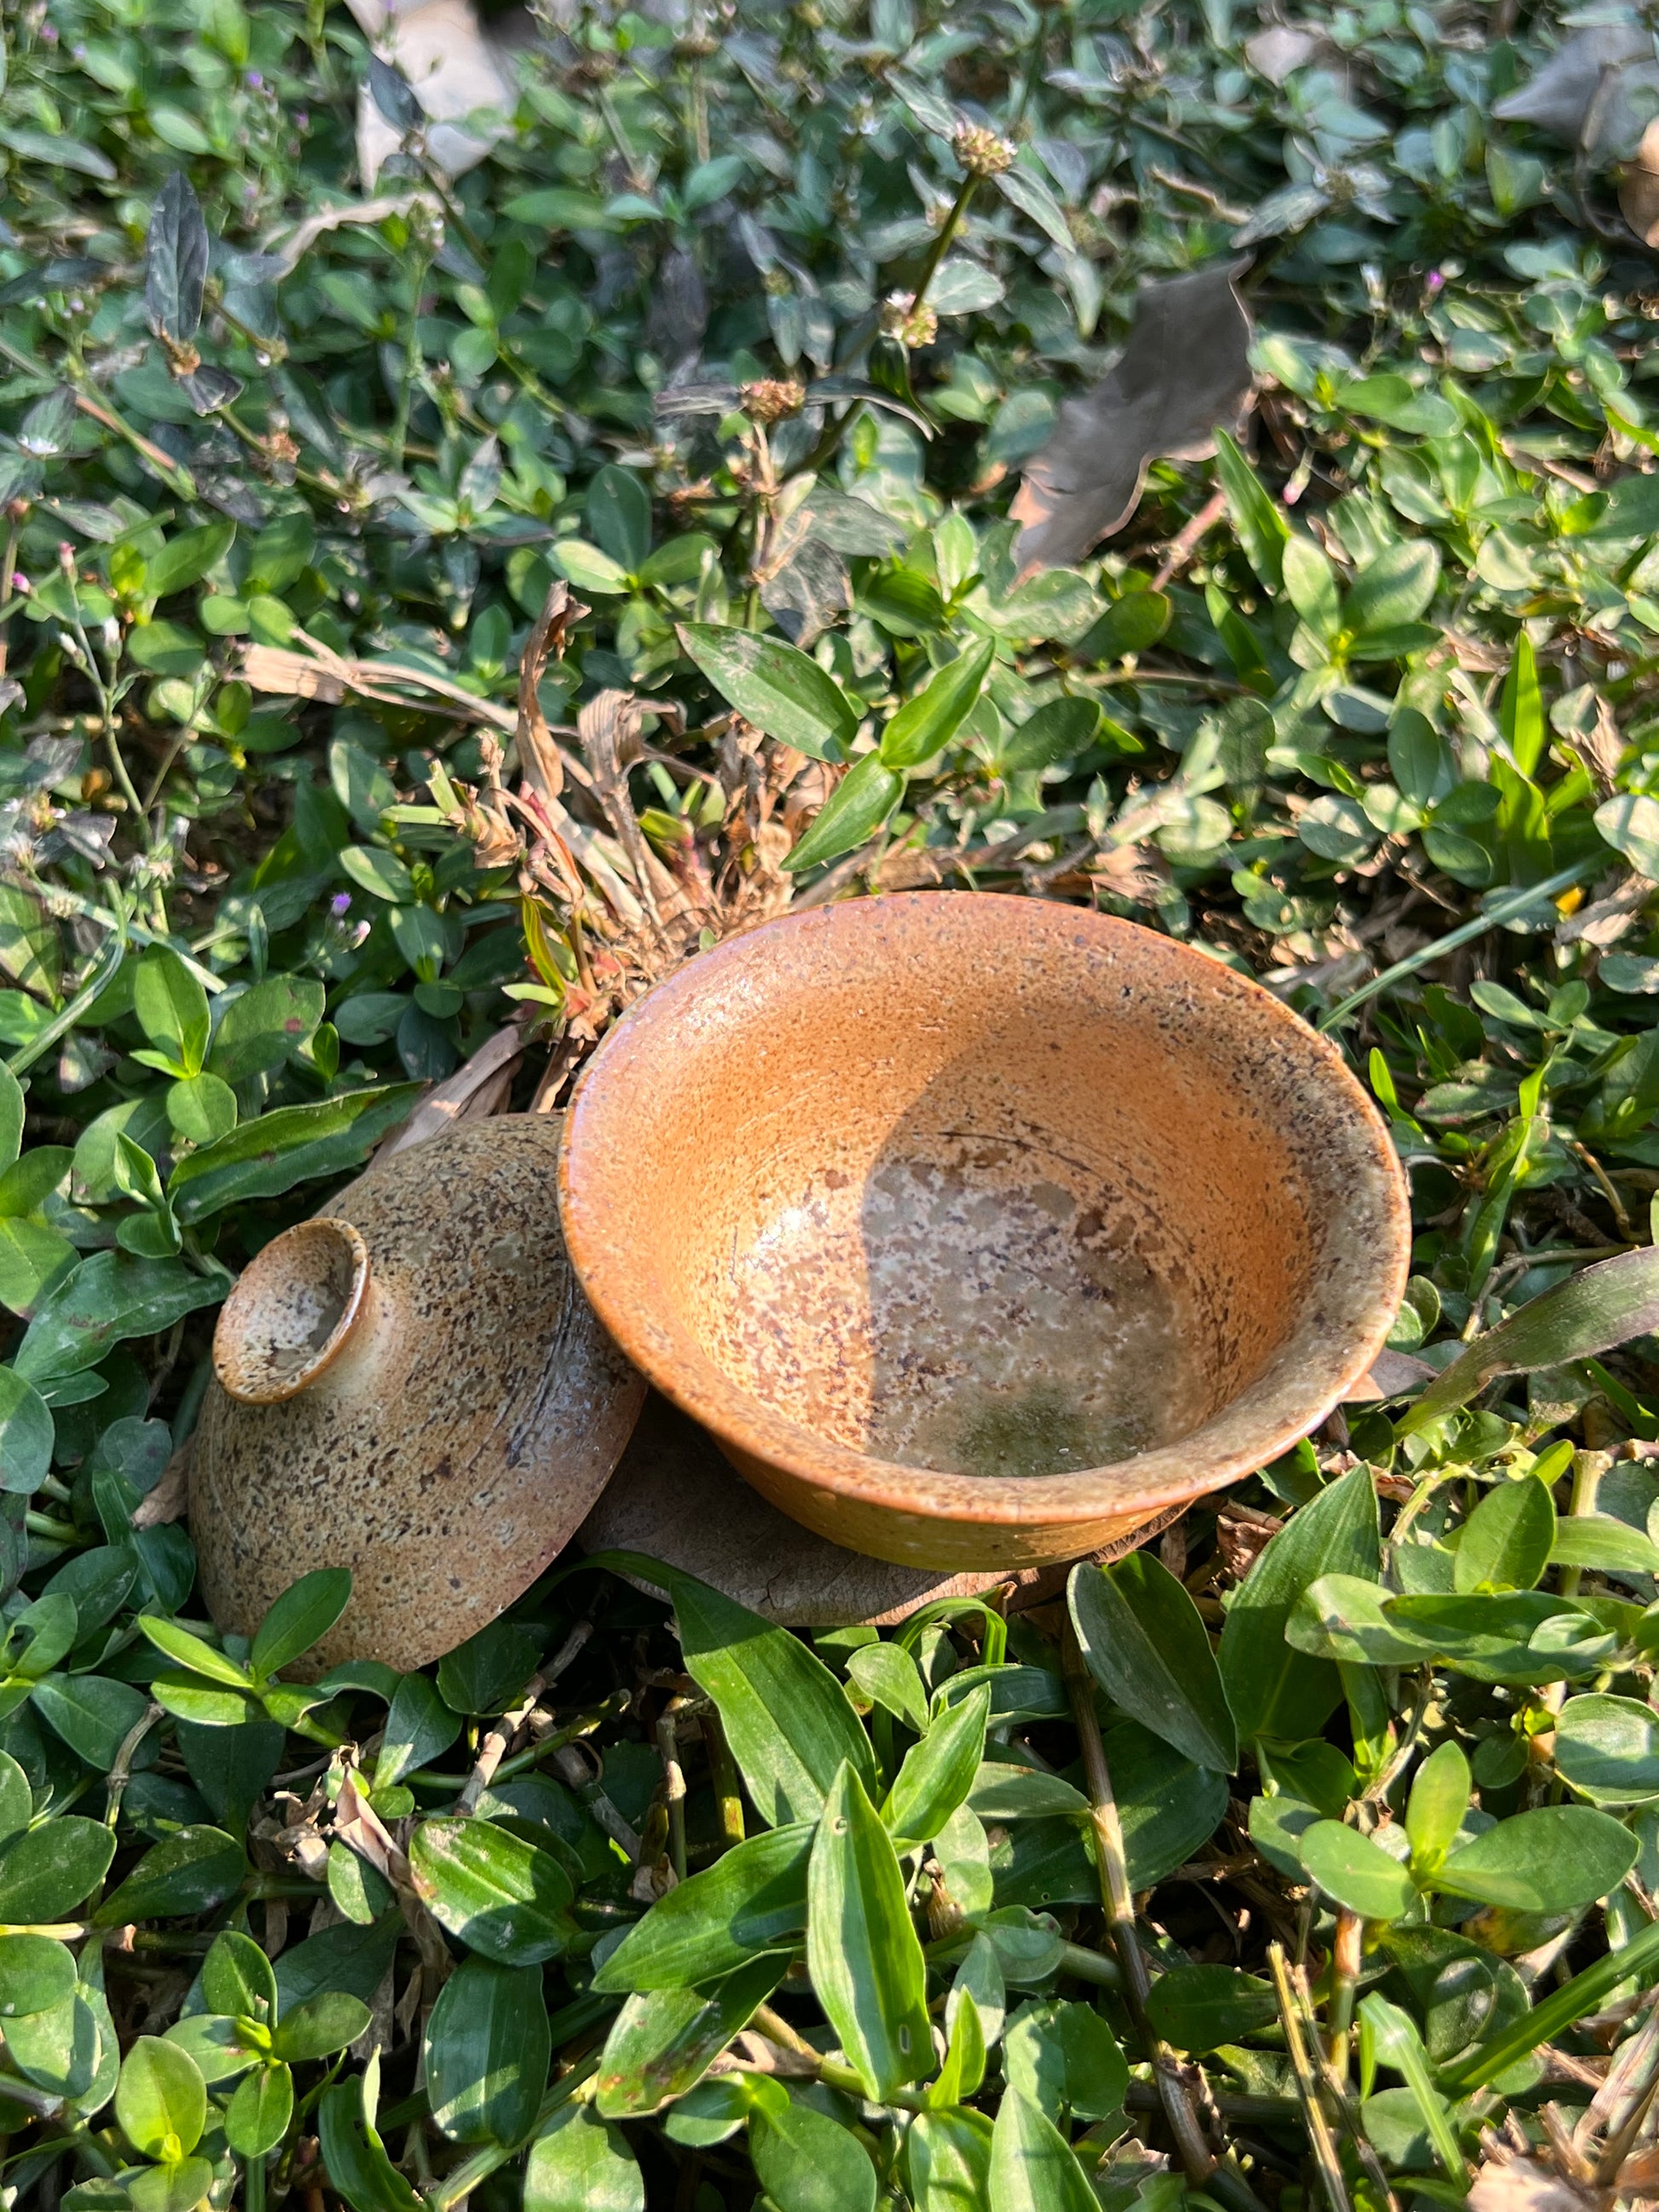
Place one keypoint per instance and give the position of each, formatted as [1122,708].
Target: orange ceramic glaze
[414,1388]
[981,1230]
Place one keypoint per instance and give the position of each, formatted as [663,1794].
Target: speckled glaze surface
[980,1230]
[458,1425]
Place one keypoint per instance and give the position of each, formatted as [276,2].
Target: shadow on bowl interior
[979,1230]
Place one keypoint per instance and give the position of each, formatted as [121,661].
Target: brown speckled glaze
[980,1231]
[449,1415]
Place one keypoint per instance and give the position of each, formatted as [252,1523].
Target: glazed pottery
[415,1388]
[980,1230]
[675,1498]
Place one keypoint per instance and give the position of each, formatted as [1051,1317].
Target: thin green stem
[447,2194]
[947,231]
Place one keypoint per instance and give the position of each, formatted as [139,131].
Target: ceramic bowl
[980,1230]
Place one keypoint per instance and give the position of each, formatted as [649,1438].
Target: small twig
[1186,542]
[494,1746]
[673,1785]
[1313,2112]
[120,1772]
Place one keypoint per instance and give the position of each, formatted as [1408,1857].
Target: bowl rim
[593,1159]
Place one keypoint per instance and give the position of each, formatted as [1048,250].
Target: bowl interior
[981,1187]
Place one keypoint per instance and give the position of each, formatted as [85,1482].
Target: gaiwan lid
[413,1386]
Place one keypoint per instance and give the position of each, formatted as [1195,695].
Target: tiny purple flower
[340,903]
[19,582]
[1436,280]
[255,82]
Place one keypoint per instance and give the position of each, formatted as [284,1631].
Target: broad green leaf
[161,2100]
[807,2162]
[947,2160]
[963,2070]
[854,810]
[419,1727]
[1147,1645]
[862,1948]
[1261,524]
[1028,192]
[1601,1306]
[1552,1860]
[1310,585]
[109,1297]
[187,1649]
[36,1974]
[1521,710]
[45,1873]
[1607,1749]
[938,1772]
[1553,2015]
[185,559]
[1435,1810]
[221,2047]
[1505,1542]
[752,1899]
[1273,1689]
[1597,1540]
[503,1898]
[12,1111]
[92,1713]
[1033,2167]
[257,2116]
[1198,2009]
[888,1677]
[1395,587]
[16,1798]
[487,2052]
[342,1957]
[1492,1636]
[171,1009]
[1065,2059]
[302,1616]
[486,1674]
[354,2155]
[27,1435]
[1356,1872]
[198,1703]
[265,1027]
[236,1977]
[663,2041]
[787,1719]
[1342,1617]
[1057,732]
[1391,2036]
[191,1871]
[776,687]
[292,1144]
[581,2163]
[926,724]
[319,2027]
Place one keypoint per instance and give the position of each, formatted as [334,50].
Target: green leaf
[1273,1689]
[947,2160]
[776,687]
[1598,1542]
[1057,732]
[1394,588]
[963,2070]
[1607,1748]
[1601,1306]
[302,1616]
[110,1297]
[12,1112]
[1555,1859]
[487,2052]
[1630,824]
[502,1897]
[319,2027]
[354,2155]
[926,724]
[201,1109]
[854,810]
[1310,585]
[1356,1872]
[259,2114]
[888,1677]
[806,2162]
[221,2047]
[1506,1543]
[46,1872]
[191,1871]
[1027,191]
[419,1727]
[1553,2015]
[236,1977]
[1198,2009]
[861,1949]
[1438,1802]
[938,1772]
[1343,1617]
[1391,2037]
[161,2100]
[293,1144]
[183,561]
[588,569]
[27,1435]
[581,2163]
[1147,1645]
[265,1028]
[171,1009]
[1033,2167]
[90,1712]
[36,1974]
[1262,529]
[342,1957]
[486,1674]
[1521,710]
[787,1719]
[751,1900]
[192,1651]
[1065,2059]
[663,2041]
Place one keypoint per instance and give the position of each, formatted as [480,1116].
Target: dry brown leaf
[539,756]
[477,1090]
[1185,369]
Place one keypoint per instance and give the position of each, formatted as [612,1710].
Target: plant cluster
[432,607]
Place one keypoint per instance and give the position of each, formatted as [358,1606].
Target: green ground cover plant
[780,468]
